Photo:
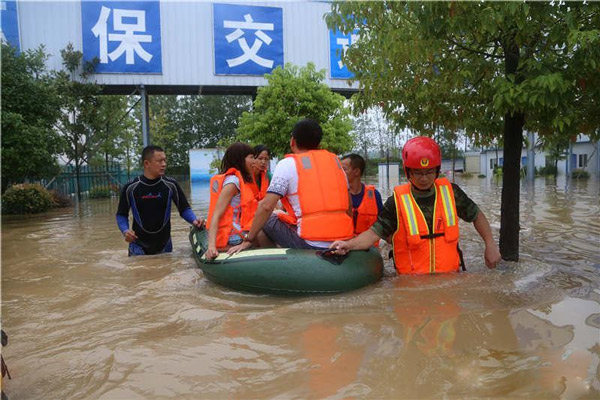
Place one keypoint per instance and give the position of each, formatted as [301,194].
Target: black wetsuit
[150,203]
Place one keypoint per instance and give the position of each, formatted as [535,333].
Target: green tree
[81,119]
[490,68]
[116,122]
[131,142]
[181,123]
[557,148]
[293,93]
[30,105]
[362,134]
[204,121]
[163,130]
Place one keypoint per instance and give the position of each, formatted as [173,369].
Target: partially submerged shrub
[580,174]
[467,175]
[60,200]
[481,176]
[26,199]
[548,170]
[100,192]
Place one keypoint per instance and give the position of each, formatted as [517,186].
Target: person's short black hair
[356,161]
[259,149]
[235,157]
[308,134]
[148,152]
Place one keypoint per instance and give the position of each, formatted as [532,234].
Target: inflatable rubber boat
[288,271]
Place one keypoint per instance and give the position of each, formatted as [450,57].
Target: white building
[583,154]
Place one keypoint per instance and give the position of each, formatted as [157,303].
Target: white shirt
[285,183]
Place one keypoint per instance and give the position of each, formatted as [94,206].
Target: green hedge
[548,170]
[26,199]
[580,174]
[101,192]
[60,200]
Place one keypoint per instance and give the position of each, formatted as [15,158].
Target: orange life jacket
[323,197]
[260,192]
[247,207]
[366,213]
[416,250]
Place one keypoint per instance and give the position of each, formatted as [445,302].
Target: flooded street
[87,322]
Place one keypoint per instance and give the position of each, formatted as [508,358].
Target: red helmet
[421,153]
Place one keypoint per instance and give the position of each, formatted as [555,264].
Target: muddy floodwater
[87,322]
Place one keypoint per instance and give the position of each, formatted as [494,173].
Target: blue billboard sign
[338,44]
[9,23]
[248,40]
[123,35]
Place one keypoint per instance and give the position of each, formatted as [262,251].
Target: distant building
[583,154]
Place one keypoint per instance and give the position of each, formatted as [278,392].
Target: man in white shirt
[323,190]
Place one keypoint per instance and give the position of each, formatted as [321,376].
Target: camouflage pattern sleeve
[466,208]
[387,221]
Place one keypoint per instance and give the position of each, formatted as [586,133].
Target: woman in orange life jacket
[421,217]
[260,171]
[232,203]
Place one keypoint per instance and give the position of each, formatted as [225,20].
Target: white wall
[578,148]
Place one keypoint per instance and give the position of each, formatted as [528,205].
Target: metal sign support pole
[145,116]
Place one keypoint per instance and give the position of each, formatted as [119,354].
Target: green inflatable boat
[288,271]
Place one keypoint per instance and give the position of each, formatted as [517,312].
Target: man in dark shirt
[149,197]
[354,166]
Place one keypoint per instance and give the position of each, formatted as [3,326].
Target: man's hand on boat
[199,223]
[361,242]
[240,247]
[211,253]
[340,247]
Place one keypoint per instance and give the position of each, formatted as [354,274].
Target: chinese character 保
[129,41]
[250,53]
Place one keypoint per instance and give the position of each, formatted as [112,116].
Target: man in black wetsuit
[149,197]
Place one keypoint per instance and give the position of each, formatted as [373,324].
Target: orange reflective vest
[323,197]
[416,249]
[366,213]
[246,208]
[260,192]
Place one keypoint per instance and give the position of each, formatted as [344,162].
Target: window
[492,163]
[583,158]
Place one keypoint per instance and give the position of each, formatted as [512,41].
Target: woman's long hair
[235,157]
[259,149]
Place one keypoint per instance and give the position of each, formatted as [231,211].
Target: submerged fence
[99,181]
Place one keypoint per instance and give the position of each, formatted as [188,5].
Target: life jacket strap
[432,235]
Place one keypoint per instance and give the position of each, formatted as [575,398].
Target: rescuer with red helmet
[420,219]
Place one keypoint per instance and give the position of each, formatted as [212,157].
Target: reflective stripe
[450,217]
[410,213]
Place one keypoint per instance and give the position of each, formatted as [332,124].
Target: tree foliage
[116,126]
[81,120]
[30,105]
[490,68]
[181,123]
[442,64]
[293,93]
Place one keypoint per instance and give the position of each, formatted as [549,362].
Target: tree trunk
[453,159]
[513,145]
